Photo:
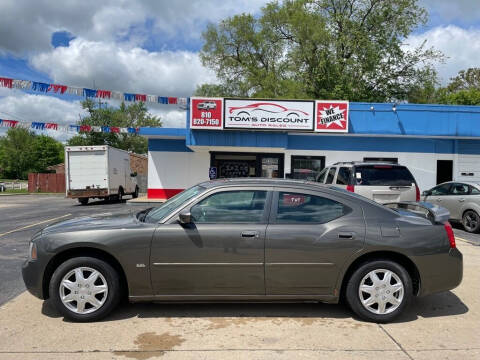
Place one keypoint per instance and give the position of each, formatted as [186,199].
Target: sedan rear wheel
[379,291]
[85,288]
[471,221]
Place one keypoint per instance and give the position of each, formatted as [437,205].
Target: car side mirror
[185,218]
[133,174]
[426,193]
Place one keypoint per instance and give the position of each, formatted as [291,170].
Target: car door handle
[249,234]
[346,235]
[439,200]
[461,200]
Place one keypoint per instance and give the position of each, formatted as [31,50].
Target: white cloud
[461,46]
[123,68]
[15,105]
[26,26]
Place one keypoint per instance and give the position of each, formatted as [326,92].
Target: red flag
[6,82]
[9,123]
[85,128]
[57,88]
[104,94]
[140,97]
[51,126]
[114,129]
[172,100]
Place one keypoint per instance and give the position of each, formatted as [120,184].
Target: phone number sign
[206,113]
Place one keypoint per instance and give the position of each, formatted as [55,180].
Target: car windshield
[157,214]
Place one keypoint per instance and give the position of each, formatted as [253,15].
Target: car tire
[67,273]
[471,221]
[120,195]
[373,304]
[83,201]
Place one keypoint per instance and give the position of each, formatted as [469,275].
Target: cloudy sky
[151,46]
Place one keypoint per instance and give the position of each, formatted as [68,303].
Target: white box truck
[98,172]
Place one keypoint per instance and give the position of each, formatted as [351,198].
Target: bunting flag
[38,125]
[89,93]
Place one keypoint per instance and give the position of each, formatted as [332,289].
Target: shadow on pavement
[438,305]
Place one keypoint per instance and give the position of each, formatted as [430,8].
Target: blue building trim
[168,145]
[383,144]
[237,138]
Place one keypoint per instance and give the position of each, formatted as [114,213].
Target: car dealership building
[297,138]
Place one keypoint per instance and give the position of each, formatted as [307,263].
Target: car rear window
[383,175]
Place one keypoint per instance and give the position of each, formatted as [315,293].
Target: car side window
[243,206]
[331,175]
[321,176]
[299,208]
[474,191]
[459,189]
[343,176]
[441,190]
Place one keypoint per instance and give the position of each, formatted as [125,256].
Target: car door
[309,237]
[220,253]
[455,200]
[438,194]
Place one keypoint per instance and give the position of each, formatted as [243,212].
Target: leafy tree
[324,49]
[22,152]
[463,89]
[133,115]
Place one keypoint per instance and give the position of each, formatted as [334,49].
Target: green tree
[133,115]
[324,49]
[463,89]
[22,152]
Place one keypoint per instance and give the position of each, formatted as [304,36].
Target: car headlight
[32,252]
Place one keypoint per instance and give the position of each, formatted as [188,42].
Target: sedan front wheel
[379,291]
[85,289]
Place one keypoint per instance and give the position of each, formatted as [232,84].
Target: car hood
[101,222]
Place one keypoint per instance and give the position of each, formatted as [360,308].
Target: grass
[15,191]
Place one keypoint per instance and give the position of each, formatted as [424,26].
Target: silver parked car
[381,182]
[249,239]
[462,199]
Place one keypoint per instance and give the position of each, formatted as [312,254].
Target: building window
[381,159]
[307,167]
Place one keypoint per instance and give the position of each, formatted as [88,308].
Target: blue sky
[151,46]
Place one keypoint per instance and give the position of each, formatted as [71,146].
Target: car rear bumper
[447,275]
[32,273]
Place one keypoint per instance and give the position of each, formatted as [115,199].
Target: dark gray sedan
[249,239]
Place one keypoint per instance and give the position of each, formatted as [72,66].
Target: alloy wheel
[83,290]
[470,221]
[381,291]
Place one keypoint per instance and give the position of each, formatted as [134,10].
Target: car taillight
[451,236]
[351,188]
[417,193]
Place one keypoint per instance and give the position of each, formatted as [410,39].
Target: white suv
[381,182]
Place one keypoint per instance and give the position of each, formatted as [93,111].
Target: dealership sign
[269,114]
[206,113]
[331,116]
[260,114]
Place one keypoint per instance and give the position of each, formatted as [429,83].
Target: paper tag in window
[358,175]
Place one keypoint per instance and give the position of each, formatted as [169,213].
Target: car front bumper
[32,273]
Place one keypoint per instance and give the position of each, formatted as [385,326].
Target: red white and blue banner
[36,125]
[89,93]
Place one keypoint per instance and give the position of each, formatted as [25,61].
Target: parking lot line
[35,224]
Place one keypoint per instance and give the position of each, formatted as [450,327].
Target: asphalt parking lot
[441,326]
